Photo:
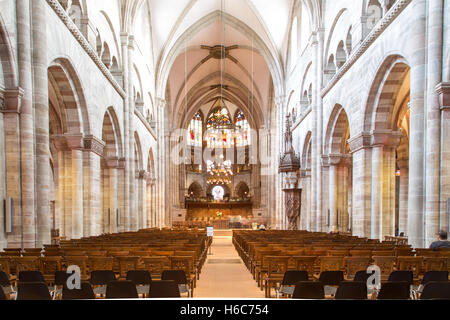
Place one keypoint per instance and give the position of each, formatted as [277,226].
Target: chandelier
[219,174]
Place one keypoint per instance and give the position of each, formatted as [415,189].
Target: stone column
[377,192]
[27,155]
[443,89]
[121,195]
[11,116]
[314,222]
[93,215]
[143,178]
[113,203]
[433,118]
[416,161]
[41,123]
[75,143]
[362,171]
[125,214]
[332,161]
[134,219]
[403,195]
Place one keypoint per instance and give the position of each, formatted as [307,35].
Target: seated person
[262,227]
[442,241]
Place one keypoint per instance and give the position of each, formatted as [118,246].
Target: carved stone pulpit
[289,166]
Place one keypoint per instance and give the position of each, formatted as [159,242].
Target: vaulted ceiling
[209,48]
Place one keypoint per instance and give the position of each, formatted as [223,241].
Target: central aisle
[224,275]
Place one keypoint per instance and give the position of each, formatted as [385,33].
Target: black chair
[100,279]
[4,280]
[308,290]
[2,294]
[164,289]
[331,278]
[434,276]
[179,276]
[290,279]
[121,290]
[394,291]
[436,290]
[141,279]
[31,276]
[33,291]
[351,291]
[402,276]
[84,293]
[361,276]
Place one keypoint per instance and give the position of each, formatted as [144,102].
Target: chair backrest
[126,264]
[308,290]
[413,264]
[305,263]
[2,295]
[179,276]
[385,263]
[156,265]
[164,289]
[102,277]
[49,265]
[31,276]
[139,277]
[360,253]
[277,265]
[331,278]
[435,276]
[435,264]
[100,263]
[351,291]
[331,263]
[61,278]
[121,290]
[355,264]
[436,290]
[26,264]
[84,293]
[361,276]
[402,276]
[80,261]
[4,279]
[5,265]
[33,291]
[394,291]
[291,277]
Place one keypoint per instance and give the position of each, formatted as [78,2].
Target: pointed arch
[337,130]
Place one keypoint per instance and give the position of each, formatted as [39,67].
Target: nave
[187,264]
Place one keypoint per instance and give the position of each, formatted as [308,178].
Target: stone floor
[224,275]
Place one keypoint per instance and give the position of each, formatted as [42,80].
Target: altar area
[231,214]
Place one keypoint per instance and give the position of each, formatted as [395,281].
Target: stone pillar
[377,192]
[443,89]
[27,155]
[11,117]
[161,165]
[93,215]
[113,203]
[362,171]
[41,123]
[134,220]
[433,118]
[75,143]
[416,161]
[121,195]
[403,195]
[125,214]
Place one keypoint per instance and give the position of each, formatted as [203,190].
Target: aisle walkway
[224,275]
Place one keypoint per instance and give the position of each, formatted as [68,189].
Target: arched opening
[339,162]
[195,190]
[387,116]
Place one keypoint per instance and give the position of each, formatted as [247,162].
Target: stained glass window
[195,131]
[243,136]
[219,129]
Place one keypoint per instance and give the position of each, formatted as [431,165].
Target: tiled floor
[224,275]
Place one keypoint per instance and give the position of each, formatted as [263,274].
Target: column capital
[11,100]
[387,138]
[361,141]
[443,90]
[94,144]
[305,173]
[144,175]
